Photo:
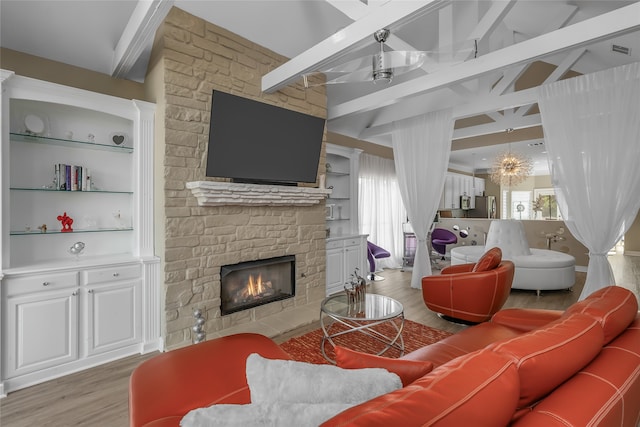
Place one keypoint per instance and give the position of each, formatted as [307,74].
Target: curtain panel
[380,209]
[592,133]
[421,148]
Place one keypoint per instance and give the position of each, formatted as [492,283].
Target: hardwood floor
[99,396]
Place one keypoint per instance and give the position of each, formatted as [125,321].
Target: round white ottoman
[542,270]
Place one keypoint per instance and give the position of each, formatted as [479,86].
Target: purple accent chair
[440,238]
[375,252]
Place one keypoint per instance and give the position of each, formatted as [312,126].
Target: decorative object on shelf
[91,138]
[198,329]
[34,124]
[328,211]
[66,222]
[328,167]
[42,228]
[119,221]
[118,138]
[510,168]
[76,249]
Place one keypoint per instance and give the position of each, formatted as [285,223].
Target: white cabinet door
[479,182]
[352,260]
[42,330]
[335,270]
[113,316]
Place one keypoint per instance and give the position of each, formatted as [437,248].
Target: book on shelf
[72,177]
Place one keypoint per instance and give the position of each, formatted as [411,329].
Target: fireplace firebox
[250,284]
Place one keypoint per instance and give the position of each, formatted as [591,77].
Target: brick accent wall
[198,57]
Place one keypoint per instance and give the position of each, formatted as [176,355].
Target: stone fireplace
[253,283]
[202,233]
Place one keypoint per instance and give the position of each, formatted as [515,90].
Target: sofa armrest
[522,319]
[460,268]
[167,386]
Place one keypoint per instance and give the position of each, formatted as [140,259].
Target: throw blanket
[290,393]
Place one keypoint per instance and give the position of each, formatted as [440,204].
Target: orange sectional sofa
[524,368]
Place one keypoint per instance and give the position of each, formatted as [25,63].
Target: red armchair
[471,296]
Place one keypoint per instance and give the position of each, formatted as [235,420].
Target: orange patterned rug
[306,348]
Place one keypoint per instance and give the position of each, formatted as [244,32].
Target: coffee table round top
[374,307]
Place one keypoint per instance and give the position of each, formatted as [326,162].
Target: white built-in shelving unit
[62,311]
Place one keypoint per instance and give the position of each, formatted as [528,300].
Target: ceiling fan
[384,65]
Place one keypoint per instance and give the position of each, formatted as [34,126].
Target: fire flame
[255,287]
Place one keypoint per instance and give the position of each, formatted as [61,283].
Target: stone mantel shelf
[215,193]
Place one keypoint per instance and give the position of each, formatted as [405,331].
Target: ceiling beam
[560,71]
[479,105]
[491,19]
[138,34]
[349,38]
[352,9]
[489,128]
[620,21]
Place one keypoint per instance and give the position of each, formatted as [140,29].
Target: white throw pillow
[299,382]
[263,414]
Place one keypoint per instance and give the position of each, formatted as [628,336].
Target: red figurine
[66,223]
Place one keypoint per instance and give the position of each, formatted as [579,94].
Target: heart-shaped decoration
[118,139]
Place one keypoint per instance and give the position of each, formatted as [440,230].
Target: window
[520,204]
[545,205]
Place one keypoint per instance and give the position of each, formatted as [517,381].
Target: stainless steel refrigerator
[486,207]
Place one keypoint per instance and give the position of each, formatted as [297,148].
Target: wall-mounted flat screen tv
[255,142]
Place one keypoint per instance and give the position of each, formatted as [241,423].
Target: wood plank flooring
[99,396]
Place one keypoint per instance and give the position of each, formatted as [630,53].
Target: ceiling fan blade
[402,61]
[353,77]
[358,64]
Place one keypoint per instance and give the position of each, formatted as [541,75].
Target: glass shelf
[52,190]
[337,173]
[21,137]
[76,231]
[338,219]
[339,198]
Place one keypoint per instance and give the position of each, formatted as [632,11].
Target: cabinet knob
[74,293]
[90,291]
[46,283]
[116,274]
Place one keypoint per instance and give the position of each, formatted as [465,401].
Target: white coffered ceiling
[113,37]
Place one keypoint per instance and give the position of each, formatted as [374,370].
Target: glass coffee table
[362,317]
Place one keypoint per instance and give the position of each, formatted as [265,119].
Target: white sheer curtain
[421,148]
[380,209]
[592,132]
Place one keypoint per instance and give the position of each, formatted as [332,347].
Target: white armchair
[536,269]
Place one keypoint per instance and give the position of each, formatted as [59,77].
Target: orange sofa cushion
[547,357]
[407,370]
[489,260]
[614,307]
[607,390]
[479,389]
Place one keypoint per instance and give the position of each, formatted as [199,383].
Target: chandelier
[510,168]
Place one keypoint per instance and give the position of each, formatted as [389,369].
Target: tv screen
[250,141]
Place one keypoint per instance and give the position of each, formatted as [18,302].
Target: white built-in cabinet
[61,312]
[457,185]
[344,256]
[346,248]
